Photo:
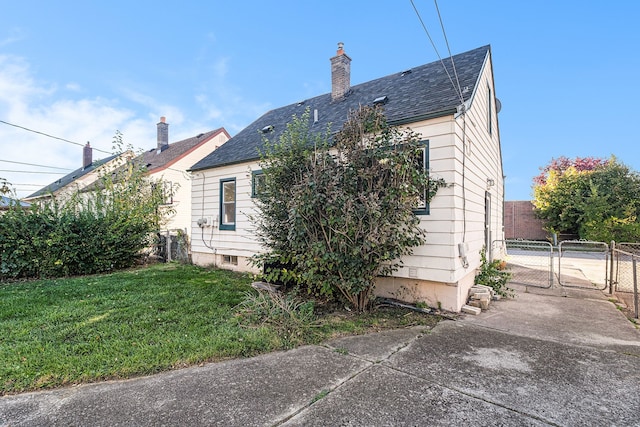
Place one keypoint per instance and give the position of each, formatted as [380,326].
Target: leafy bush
[336,213]
[494,275]
[100,229]
[595,199]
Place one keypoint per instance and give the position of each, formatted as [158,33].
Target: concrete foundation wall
[446,296]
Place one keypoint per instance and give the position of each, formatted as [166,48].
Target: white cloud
[15,35]
[157,108]
[212,112]
[221,67]
[27,102]
[74,87]
[16,83]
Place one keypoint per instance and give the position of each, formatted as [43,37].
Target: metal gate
[530,262]
[583,264]
[625,258]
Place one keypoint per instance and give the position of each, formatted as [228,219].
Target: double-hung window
[257,183]
[422,162]
[228,204]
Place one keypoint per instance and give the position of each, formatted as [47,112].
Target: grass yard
[67,331]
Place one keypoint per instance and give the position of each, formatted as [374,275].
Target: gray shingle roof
[424,92]
[156,160]
[5,202]
[69,178]
[153,160]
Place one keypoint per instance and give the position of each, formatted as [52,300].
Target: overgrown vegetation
[91,230]
[65,331]
[337,212]
[292,318]
[494,274]
[5,186]
[593,199]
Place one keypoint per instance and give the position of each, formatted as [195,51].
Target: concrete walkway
[548,357]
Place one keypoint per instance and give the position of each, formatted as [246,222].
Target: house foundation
[444,296]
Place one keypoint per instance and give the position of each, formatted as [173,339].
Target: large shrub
[99,229]
[595,199]
[334,214]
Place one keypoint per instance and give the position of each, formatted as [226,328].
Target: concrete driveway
[547,357]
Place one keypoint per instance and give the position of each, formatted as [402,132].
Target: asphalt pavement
[556,356]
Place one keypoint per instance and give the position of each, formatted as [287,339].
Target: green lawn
[67,331]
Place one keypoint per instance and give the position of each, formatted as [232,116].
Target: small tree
[337,216]
[595,199]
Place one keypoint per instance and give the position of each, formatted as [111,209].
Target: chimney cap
[340,48]
[163,119]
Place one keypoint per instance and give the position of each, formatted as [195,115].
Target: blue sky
[564,71]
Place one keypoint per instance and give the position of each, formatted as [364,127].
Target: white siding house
[166,161]
[459,124]
[80,178]
[170,163]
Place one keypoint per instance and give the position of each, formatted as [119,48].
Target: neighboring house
[6,203]
[520,222]
[459,128]
[79,179]
[170,162]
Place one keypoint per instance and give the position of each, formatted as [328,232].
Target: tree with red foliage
[591,198]
[562,163]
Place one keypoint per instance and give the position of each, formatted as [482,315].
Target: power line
[50,136]
[446,40]
[40,172]
[459,93]
[33,164]
[457,89]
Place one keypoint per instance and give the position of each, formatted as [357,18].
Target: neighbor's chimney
[163,134]
[87,156]
[340,74]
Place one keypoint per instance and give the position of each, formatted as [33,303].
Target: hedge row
[49,241]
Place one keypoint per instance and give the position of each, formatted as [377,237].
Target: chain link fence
[583,264]
[632,248]
[625,272]
[575,264]
[530,262]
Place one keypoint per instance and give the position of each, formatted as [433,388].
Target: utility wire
[47,173]
[32,164]
[457,89]
[459,93]
[444,33]
[50,136]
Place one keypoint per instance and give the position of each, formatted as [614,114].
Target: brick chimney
[87,156]
[340,74]
[163,134]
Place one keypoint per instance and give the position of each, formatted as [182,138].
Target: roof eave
[237,162]
[423,117]
[397,122]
